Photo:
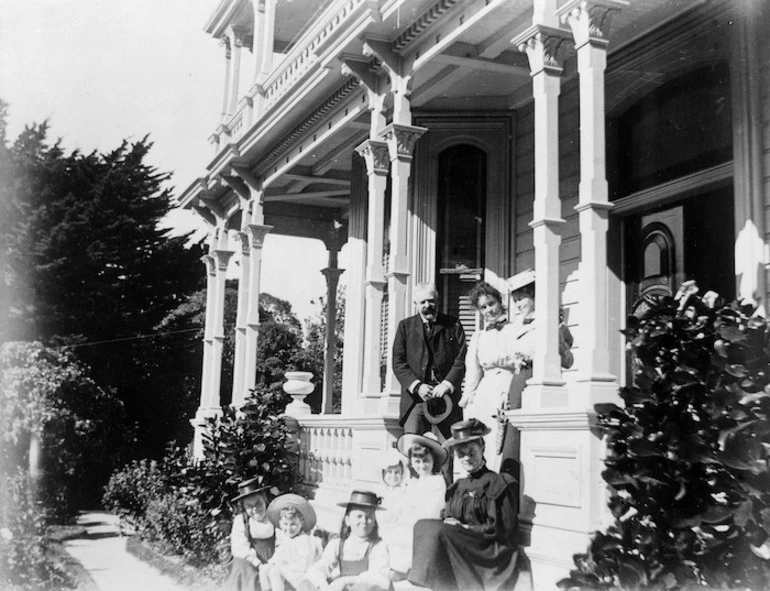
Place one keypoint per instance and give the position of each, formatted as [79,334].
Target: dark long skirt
[243,576]
[452,558]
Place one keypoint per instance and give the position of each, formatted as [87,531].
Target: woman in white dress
[499,362]
[492,360]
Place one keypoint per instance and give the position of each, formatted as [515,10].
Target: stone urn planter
[298,385]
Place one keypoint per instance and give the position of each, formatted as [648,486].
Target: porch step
[406,586]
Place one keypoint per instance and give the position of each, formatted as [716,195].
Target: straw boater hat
[437,409]
[250,487]
[465,431]
[364,498]
[407,440]
[521,280]
[299,503]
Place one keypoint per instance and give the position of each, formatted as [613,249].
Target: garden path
[102,552]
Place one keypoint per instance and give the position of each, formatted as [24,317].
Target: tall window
[462,192]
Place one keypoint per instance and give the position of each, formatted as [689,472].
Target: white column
[375,153]
[239,393]
[258,36]
[401,139]
[541,44]
[332,274]
[352,356]
[589,21]
[228,68]
[222,257]
[236,36]
[268,39]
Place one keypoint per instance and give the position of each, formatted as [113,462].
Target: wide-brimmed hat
[407,440]
[521,280]
[364,498]
[437,409]
[250,487]
[393,458]
[296,501]
[464,431]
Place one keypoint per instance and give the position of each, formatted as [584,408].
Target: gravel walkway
[102,551]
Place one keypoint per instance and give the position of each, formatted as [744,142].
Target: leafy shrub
[48,398]
[182,506]
[130,490]
[687,457]
[26,563]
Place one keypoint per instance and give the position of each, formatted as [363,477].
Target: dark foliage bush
[183,507]
[687,456]
[26,561]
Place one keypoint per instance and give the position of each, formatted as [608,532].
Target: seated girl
[358,560]
[395,477]
[424,497]
[296,550]
[252,538]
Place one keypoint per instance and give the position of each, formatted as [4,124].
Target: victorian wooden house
[618,148]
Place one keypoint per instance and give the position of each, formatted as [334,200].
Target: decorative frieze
[421,23]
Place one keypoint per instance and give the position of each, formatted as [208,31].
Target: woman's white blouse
[328,567]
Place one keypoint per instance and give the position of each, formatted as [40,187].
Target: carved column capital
[332,274]
[228,49]
[222,257]
[590,20]
[238,35]
[257,234]
[544,47]
[375,154]
[243,237]
[211,267]
[401,140]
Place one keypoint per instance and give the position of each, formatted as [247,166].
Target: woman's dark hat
[363,498]
[250,487]
[299,503]
[464,431]
[438,409]
[407,440]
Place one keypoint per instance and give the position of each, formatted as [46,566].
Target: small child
[297,551]
[394,478]
[252,538]
[424,497]
[358,558]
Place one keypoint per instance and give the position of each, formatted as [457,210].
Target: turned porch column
[267,40]
[332,274]
[590,22]
[239,393]
[541,44]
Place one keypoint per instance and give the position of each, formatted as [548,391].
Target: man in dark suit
[429,362]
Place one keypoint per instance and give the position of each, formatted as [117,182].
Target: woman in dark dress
[475,546]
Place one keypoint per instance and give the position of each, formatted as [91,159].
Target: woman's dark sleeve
[502,512]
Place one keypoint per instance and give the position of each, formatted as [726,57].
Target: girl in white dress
[424,497]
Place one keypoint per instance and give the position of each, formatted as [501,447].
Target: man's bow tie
[497,325]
